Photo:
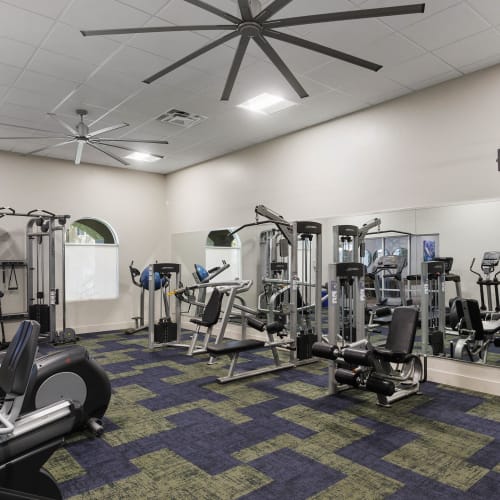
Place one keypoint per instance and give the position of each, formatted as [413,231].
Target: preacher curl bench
[392,371]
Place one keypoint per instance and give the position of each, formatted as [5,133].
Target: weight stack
[40,313]
[436,340]
[305,342]
[165,331]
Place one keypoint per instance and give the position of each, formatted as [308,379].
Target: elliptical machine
[68,374]
[488,264]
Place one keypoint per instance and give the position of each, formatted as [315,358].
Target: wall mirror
[463,231]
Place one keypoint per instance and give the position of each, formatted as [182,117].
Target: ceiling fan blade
[125,148]
[246,12]
[49,147]
[214,10]
[235,67]
[79,151]
[280,64]
[416,8]
[146,141]
[63,123]
[316,47]
[159,29]
[107,129]
[116,158]
[36,137]
[272,9]
[191,56]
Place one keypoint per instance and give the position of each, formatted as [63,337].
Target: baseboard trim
[464,375]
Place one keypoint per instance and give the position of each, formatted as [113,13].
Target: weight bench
[233,348]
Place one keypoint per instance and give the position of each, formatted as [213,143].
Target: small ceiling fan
[83,136]
[255,24]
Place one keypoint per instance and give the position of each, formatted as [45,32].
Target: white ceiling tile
[47,8]
[8,74]
[43,84]
[358,82]
[417,72]
[401,21]
[489,9]
[391,50]
[484,45]
[25,116]
[149,6]
[136,63]
[300,8]
[478,65]
[61,66]
[32,99]
[153,101]
[114,83]
[15,53]
[22,25]
[96,14]
[349,36]
[68,40]
[446,27]
[298,59]
[182,13]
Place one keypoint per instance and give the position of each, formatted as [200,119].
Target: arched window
[221,245]
[91,260]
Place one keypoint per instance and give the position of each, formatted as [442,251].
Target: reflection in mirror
[462,232]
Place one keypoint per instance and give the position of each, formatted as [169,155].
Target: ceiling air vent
[181,118]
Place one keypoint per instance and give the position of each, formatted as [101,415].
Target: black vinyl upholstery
[401,335]
[17,364]
[212,310]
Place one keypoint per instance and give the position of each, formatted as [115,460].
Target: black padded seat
[212,310]
[392,356]
[234,346]
[469,311]
[401,337]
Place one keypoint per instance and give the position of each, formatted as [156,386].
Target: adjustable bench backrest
[469,311]
[17,364]
[402,330]
[212,309]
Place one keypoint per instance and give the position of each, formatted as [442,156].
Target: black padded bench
[234,346]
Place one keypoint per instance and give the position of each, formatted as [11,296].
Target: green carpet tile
[173,432]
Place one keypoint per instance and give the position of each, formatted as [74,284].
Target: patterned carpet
[173,432]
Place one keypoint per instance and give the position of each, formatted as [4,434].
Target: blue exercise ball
[144,279]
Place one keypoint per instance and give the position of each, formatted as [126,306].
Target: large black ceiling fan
[81,135]
[255,23]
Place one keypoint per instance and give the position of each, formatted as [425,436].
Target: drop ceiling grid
[53,67]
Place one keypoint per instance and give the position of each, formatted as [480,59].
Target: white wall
[430,148]
[132,202]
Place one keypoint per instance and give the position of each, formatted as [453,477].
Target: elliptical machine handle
[134,272]
[472,270]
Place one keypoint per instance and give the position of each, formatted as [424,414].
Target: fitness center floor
[173,432]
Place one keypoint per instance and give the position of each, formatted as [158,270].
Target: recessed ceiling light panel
[266,104]
[146,157]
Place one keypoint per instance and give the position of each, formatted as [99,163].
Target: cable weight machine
[45,233]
